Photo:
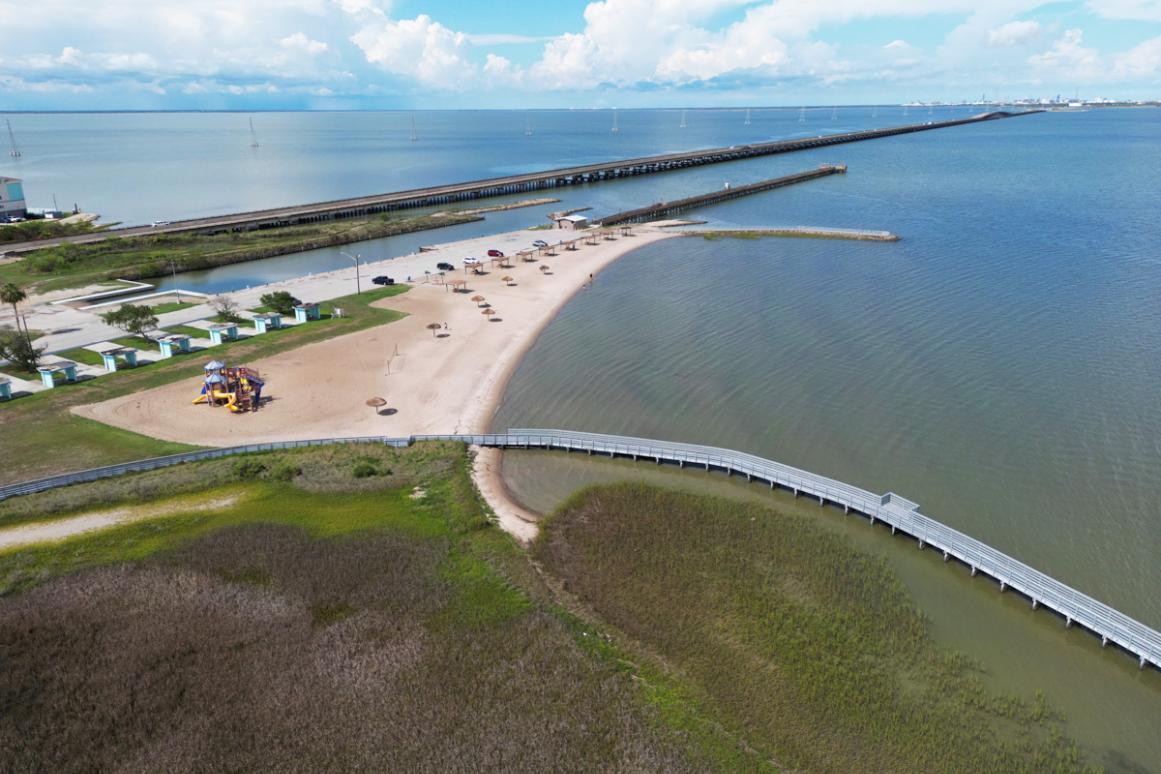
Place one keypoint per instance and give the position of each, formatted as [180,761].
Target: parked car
[472,262]
[445,266]
[540,243]
[495,253]
[383,280]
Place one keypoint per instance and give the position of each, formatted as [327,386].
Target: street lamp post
[355,258]
[176,289]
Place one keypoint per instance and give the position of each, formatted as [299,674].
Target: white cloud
[420,47]
[1014,33]
[1127,10]
[1142,61]
[300,42]
[1068,58]
[897,44]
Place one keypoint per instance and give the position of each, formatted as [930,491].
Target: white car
[472,262]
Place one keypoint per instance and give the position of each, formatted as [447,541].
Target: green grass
[312,630]
[142,257]
[137,342]
[82,355]
[38,430]
[188,330]
[31,230]
[805,648]
[172,306]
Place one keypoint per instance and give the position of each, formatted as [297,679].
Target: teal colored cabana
[304,312]
[173,344]
[271,321]
[223,332]
[48,373]
[5,389]
[128,354]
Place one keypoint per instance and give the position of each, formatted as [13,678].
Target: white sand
[53,531]
[433,384]
[450,383]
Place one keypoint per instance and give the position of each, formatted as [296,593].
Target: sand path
[60,529]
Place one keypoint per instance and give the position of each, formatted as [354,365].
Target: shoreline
[448,383]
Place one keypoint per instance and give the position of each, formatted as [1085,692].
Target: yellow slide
[228,397]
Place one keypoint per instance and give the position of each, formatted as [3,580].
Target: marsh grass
[310,631]
[805,647]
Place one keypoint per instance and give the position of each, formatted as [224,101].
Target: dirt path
[60,529]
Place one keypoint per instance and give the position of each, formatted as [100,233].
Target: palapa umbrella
[477,298]
[507,280]
[376,403]
[433,327]
[489,312]
[545,268]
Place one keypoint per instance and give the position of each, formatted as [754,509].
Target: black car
[383,280]
[445,266]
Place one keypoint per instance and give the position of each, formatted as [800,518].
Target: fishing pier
[669,209]
[437,196]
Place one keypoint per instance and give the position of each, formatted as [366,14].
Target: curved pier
[896,512]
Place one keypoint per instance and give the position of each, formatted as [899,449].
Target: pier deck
[896,512]
[513,184]
[669,209]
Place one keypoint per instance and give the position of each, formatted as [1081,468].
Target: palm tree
[11,293]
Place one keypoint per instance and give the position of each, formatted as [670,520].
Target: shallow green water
[1112,708]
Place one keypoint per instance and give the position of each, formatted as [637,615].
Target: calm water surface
[1000,366]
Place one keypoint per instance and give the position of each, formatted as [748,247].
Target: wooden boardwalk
[514,184]
[898,513]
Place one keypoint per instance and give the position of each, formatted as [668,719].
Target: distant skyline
[366,54]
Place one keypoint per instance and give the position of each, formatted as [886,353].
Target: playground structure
[239,389]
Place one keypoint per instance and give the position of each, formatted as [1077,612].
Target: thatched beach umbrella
[433,327]
[489,312]
[545,268]
[478,299]
[376,403]
[506,279]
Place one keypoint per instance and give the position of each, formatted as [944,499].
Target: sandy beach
[445,383]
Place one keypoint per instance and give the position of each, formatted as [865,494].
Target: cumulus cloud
[1127,10]
[420,47]
[1068,58]
[1013,33]
[300,42]
[1141,61]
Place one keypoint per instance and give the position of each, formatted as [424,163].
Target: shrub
[280,301]
[364,469]
[286,471]
[226,308]
[134,319]
[249,469]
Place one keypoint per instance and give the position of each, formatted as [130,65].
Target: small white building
[12,198]
[572,222]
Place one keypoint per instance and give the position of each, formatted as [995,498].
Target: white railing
[896,512]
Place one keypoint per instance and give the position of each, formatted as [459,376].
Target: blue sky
[344,54]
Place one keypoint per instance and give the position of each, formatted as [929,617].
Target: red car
[495,254]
